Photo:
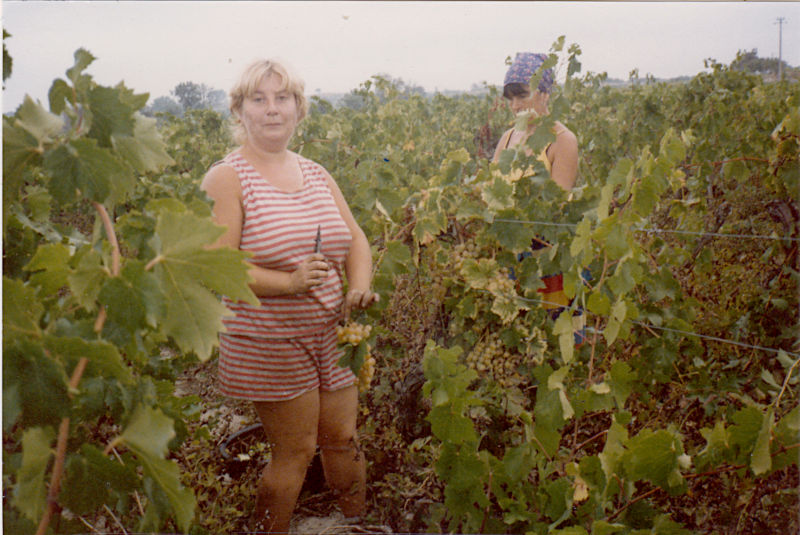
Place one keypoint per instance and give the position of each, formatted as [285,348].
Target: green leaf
[37,121]
[104,358]
[548,414]
[111,115]
[498,194]
[21,151]
[761,461]
[86,280]
[147,435]
[606,194]
[748,423]
[621,379]
[145,150]
[83,167]
[566,338]
[509,235]
[617,244]
[601,527]
[188,273]
[92,479]
[21,310]
[645,196]
[49,268]
[450,425]
[60,93]
[30,492]
[653,456]
[40,381]
[83,59]
[598,303]
[582,242]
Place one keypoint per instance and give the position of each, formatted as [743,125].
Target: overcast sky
[335,46]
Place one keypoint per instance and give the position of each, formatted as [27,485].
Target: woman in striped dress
[282,354]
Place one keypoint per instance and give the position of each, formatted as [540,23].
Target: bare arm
[358,264]
[501,145]
[564,159]
[221,184]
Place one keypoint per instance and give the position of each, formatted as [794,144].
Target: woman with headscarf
[560,157]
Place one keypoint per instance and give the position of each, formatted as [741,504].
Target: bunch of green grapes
[366,371]
[502,284]
[353,333]
[490,357]
[462,251]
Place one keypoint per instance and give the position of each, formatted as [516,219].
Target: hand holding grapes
[356,298]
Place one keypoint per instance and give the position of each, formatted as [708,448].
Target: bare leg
[291,429]
[342,458]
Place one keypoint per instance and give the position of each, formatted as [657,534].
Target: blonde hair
[250,79]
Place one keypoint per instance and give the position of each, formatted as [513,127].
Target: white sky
[335,46]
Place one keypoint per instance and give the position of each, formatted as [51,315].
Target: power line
[657,230]
[676,331]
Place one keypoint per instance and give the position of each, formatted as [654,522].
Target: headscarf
[524,66]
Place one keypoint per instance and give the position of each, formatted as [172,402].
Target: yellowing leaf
[581,492]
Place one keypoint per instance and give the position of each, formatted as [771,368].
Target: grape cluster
[490,356]
[462,251]
[502,283]
[353,333]
[366,372]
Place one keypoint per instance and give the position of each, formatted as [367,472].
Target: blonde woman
[282,354]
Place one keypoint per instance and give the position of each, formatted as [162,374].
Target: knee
[296,452]
[342,442]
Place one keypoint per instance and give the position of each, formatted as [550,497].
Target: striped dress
[279,228]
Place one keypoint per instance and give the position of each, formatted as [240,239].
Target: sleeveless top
[542,155]
[280,228]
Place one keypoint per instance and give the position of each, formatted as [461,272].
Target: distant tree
[749,61]
[6,58]
[193,96]
[164,105]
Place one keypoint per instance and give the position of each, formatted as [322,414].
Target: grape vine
[109,292]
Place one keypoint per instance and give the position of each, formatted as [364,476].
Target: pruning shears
[318,240]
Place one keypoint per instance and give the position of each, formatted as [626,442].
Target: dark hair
[515,89]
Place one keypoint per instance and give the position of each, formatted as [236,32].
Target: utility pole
[780,22]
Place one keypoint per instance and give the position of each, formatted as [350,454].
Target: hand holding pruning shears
[313,270]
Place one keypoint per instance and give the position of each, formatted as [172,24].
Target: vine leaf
[83,166]
[655,456]
[37,121]
[39,380]
[761,461]
[21,310]
[101,480]
[189,273]
[145,150]
[30,491]
[49,268]
[104,359]
[147,436]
